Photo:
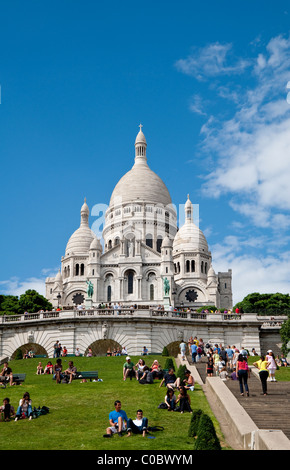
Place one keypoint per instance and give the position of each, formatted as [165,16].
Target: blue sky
[209,84]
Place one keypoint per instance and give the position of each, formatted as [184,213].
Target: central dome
[140,183]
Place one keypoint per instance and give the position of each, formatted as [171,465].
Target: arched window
[178,267]
[192,266]
[201,267]
[82,269]
[187,266]
[77,269]
[151,292]
[205,268]
[130,279]
[149,240]
[109,294]
[158,244]
[117,241]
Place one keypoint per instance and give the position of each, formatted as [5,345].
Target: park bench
[17,380]
[88,375]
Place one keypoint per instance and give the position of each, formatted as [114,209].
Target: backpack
[155,428]
[40,411]
[163,406]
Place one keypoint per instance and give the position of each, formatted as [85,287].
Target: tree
[265,304]
[285,336]
[32,302]
[9,304]
[206,435]
[194,423]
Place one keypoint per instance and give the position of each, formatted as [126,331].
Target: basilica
[141,247]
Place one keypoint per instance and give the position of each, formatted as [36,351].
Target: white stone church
[141,246]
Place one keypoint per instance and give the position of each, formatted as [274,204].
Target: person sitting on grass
[6,410]
[39,369]
[71,371]
[156,370]
[128,369]
[6,372]
[139,368]
[118,420]
[48,368]
[170,399]
[24,409]
[169,379]
[184,401]
[187,382]
[138,425]
[58,371]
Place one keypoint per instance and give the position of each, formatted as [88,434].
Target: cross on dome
[140,125]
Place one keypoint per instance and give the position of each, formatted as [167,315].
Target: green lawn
[79,412]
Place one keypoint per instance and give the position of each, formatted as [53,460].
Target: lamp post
[58,299]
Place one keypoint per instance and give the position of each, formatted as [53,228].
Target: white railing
[142,313]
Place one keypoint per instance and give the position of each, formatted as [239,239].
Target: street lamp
[58,299]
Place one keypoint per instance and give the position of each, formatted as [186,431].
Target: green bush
[181,372]
[206,435]
[18,355]
[169,364]
[165,351]
[194,423]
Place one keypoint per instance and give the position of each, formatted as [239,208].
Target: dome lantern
[140,147]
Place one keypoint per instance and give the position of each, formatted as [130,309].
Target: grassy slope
[79,412]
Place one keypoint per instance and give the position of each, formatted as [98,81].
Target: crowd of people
[226,362]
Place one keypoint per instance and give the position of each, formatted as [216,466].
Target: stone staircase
[267,412]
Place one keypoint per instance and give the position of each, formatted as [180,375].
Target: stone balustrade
[264,321]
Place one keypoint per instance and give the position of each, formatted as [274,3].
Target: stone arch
[100,346]
[173,348]
[35,347]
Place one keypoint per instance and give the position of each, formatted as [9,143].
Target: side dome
[81,239]
[189,237]
[96,244]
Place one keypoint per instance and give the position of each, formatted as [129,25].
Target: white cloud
[197,105]
[17,286]
[211,60]
[252,273]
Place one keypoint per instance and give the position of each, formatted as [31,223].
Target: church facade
[142,247]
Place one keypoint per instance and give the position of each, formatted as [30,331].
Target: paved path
[270,412]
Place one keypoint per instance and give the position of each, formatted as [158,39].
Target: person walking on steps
[262,365]
[243,373]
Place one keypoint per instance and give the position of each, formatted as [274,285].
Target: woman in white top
[24,409]
[272,365]
[140,368]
